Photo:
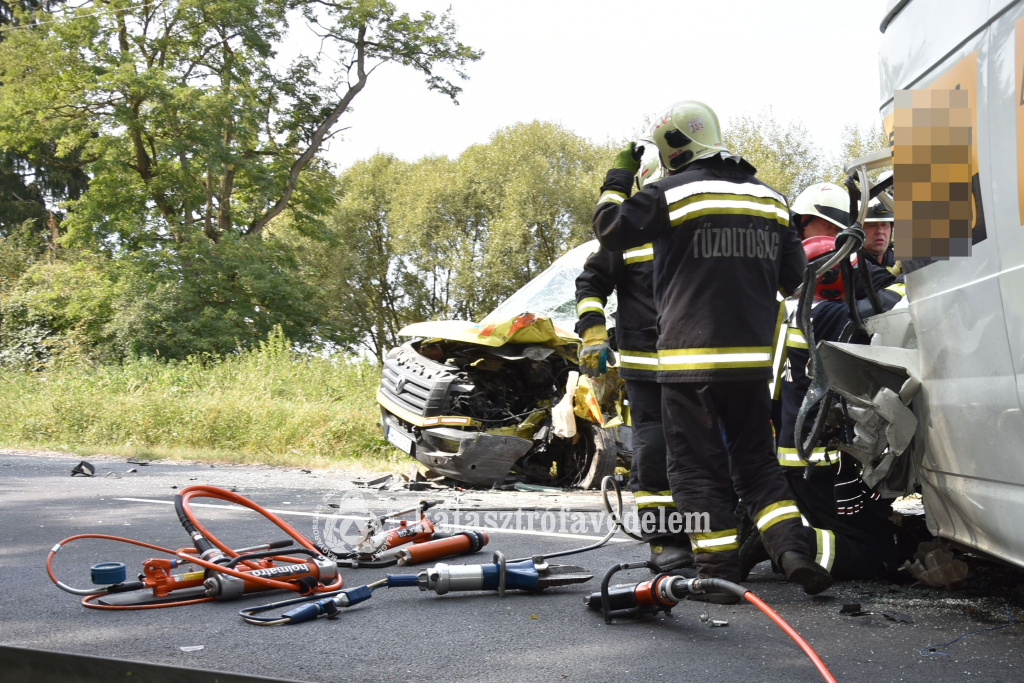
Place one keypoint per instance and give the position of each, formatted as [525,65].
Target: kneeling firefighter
[847,523]
[724,248]
[630,274]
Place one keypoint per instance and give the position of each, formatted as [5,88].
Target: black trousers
[866,545]
[703,474]
[648,474]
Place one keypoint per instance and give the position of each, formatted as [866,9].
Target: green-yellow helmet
[685,132]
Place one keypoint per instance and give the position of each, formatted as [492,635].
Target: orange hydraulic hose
[201,491]
[791,632]
[190,554]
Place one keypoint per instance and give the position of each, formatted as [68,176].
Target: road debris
[854,610]
[898,617]
[84,468]
[934,565]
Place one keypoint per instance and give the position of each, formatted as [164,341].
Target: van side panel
[966,311]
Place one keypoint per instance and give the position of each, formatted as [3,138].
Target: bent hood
[522,329]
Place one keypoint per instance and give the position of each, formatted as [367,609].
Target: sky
[598,67]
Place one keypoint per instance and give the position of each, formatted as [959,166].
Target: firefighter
[821,209]
[878,237]
[846,522]
[629,273]
[724,248]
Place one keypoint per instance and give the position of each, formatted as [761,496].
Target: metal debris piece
[84,468]
[934,565]
[131,471]
[306,471]
[417,485]
[191,648]
[379,481]
[898,617]
[520,486]
[854,610]
[132,461]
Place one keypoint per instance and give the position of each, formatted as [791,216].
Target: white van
[955,356]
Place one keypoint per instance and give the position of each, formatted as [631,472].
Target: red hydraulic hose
[791,632]
[190,555]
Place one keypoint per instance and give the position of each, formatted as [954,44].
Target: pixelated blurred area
[932,174]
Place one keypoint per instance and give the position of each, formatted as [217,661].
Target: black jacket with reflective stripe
[630,273]
[723,248]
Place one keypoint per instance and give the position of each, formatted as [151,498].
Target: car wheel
[598,447]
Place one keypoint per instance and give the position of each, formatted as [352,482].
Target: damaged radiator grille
[415,383]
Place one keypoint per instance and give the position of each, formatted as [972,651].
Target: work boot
[668,554]
[752,553]
[809,574]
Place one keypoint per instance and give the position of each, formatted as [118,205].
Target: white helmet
[877,213]
[650,166]
[685,132]
[824,200]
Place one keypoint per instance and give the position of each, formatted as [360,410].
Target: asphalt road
[403,634]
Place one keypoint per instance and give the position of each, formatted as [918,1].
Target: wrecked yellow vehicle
[502,400]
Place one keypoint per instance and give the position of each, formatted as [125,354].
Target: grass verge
[265,406]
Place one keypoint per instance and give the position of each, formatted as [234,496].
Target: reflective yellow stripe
[795,339]
[898,287]
[775,513]
[419,420]
[715,541]
[674,194]
[723,357]
[731,204]
[651,499]
[826,548]
[638,360]
[645,252]
[613,196]
[788,457]
[591,303]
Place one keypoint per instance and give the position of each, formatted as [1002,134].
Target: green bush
[267,405]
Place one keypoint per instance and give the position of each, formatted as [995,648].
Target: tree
[32,183]
[182,119]
[451,238]
[781,151]
[501,213]
[857,142]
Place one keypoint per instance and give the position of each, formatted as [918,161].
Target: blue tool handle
[307,612]
[518,575]
[402,581]
[360,593]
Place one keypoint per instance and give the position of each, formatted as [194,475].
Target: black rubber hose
[869,285]
[198,540]
[269,553]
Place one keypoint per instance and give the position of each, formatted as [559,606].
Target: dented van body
[936,399]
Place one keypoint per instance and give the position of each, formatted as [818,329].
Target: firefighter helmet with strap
[877,213]
[650,166]
[824,200]
[685,132]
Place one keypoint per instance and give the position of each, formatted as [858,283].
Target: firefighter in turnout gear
[629,274]
[846,522]
[724,248]
[878,237]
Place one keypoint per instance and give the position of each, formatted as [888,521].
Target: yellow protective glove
[596,354]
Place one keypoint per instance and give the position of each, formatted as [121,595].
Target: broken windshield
[553,292]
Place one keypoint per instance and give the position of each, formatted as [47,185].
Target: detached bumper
[473,457]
